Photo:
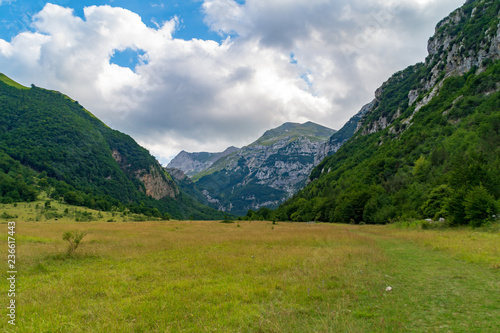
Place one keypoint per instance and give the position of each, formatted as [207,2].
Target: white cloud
[205,95]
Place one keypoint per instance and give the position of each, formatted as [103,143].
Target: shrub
[74,240]
[479,206]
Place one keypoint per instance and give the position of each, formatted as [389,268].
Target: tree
[73,198]
[436,202]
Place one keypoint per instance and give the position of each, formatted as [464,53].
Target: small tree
[74,240]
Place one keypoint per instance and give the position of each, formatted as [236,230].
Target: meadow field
[197,276]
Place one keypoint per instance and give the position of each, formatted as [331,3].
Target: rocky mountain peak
[262,174]
[194,163]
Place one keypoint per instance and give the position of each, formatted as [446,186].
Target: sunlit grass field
[195,276]
[47,209]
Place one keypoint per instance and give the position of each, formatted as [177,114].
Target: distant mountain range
[262,174]
[194,163]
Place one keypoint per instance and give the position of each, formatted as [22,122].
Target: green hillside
[80,159]
[11,82]
[436,155]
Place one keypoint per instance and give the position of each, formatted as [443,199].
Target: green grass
[253,277]
[11,82]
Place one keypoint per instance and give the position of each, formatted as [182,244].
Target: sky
[203,75]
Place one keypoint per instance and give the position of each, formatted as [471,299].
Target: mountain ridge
[194,163]
[265,172]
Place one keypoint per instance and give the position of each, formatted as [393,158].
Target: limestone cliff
[467,40]
[155,181]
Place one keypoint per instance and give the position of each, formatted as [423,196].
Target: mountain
[194,163]
[428,146]
[266,172]
[55,143]
[336,141]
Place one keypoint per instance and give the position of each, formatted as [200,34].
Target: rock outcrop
[156,182]
[345,133]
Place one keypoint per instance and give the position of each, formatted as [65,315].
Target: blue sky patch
[127,58]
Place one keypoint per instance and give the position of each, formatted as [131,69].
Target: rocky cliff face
[156,182]
[282,166]
[265,173]
[467,40]
[194,163]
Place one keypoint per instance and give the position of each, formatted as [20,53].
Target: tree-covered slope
[429,147]
[85,162]
[46,131]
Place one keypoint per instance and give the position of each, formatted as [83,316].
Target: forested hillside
[49,142]
[429,147]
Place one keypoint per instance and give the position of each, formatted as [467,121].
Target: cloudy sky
[202,75]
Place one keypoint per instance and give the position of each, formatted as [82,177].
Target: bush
[479,206]
[74,240]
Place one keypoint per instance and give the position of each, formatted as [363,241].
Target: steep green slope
[47,132]
[81,159]
[16,181]
[10,82]
[430,145]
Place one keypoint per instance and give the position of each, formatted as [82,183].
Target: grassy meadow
[196,276]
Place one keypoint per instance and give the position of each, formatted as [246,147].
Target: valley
[388,224]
